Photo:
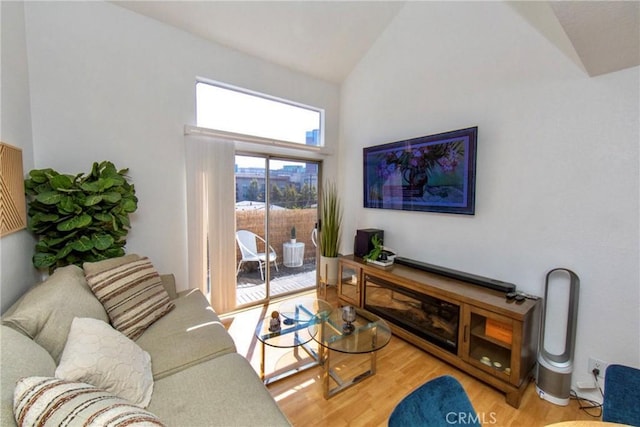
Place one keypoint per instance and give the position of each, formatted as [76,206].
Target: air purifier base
[553,381]
[552,399]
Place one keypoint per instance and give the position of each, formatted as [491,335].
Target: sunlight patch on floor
[293,390]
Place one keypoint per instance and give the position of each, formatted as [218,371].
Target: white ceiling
[605,34]
[326,39]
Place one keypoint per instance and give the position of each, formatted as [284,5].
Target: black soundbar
[486,282]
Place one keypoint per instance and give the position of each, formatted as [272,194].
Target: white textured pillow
[52,402]
[97,354]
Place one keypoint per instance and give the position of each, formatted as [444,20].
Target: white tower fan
[557,339]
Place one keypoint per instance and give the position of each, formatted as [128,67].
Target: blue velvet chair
[441,402]
[621,402]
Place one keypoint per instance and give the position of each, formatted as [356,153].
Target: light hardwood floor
[401,368]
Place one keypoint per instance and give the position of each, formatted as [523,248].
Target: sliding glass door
[276,211]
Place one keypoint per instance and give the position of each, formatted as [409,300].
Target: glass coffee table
[296,317]
[368,334]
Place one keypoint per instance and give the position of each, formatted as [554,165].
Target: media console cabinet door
[349,283]
[493,343]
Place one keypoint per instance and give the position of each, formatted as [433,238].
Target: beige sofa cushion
[131,291]
[19,357]
[169,283]
[190,334]
[229,389]
[108,264]
[46,311]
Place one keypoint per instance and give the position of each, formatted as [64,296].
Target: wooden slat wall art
[13,215]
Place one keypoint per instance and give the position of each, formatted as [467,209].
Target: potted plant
[79,218]
[330,220]
[377,249]
[293,234]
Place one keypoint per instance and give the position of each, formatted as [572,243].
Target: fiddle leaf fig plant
[79,218]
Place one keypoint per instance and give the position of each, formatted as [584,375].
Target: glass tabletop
[369,332]
[295,317]
[303,310]
[288,336]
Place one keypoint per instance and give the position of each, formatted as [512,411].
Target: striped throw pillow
[52,402]
[131,293]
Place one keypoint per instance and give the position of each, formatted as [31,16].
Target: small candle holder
[349,316]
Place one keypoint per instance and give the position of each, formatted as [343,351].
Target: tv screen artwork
[435,173]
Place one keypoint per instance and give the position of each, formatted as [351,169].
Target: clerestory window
[238,111]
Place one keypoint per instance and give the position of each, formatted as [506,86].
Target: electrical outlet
[599,365]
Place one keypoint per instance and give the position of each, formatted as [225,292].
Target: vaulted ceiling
[326,39]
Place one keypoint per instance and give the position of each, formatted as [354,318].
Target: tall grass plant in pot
[331,221]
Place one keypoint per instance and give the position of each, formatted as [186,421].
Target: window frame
[262,138]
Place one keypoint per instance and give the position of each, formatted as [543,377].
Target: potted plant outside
[331,221]
[293,234]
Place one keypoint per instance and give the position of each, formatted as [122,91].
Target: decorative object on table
[293,234]
[79,218]
[435,173]
[12,203]
[349,316]
[377,249]
[330,223]
[379,255]
[274,322]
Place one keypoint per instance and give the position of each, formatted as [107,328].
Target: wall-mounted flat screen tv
[434,173]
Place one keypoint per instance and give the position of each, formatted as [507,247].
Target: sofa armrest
[169,283]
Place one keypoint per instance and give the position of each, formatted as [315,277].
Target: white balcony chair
[248,243]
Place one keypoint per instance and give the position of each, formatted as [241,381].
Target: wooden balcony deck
[250,288]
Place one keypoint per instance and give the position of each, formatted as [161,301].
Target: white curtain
[211,213]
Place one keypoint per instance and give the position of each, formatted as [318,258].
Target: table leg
[322,289]
[326,372]
[342,384]
[262,361]
[302,363]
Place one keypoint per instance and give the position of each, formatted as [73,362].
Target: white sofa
[198,377]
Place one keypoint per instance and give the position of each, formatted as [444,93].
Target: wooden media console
[473,328]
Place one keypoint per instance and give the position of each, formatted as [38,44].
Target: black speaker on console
[362,244]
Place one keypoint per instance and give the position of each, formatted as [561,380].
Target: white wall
[17,273]
[557,157]
[557,163]
[109,84]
